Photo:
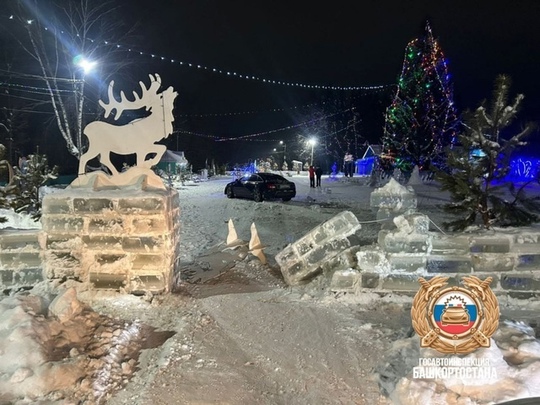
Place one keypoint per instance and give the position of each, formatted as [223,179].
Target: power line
[272,131]
[225,72]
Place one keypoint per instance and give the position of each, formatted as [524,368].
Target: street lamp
[312,142]
[85,64]
[86,67]
[284,152]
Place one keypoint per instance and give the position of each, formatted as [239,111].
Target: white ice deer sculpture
[138,136]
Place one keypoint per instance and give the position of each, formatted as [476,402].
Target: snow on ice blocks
[112,238]
[305,258]
[137,177]
[393,199]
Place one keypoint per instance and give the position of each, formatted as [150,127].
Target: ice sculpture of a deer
[138,136]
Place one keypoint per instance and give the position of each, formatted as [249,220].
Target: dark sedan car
[261,186]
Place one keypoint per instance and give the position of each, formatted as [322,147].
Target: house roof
[372,150]
[173,157]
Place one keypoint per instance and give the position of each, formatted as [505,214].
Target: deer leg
[84,160]
[140,155]
[159,150]
[105,160]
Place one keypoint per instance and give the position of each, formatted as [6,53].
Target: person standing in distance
[311,171]
[318,174]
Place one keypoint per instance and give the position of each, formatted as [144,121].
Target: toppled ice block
[304,258]
[372,259]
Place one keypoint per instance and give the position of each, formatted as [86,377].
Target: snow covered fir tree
[5,166]
[23,193]
[422,118]
[477,169]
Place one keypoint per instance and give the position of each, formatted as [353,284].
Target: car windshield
[275,178]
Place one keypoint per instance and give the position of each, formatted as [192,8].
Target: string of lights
[216,70]
[34,100]
[180,131]
[33,89]
[27,76]
[301,124]
[30,111]
[273,110]
[272,131]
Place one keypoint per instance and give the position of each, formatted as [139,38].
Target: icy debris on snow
[58,357]
[104,378]
[66,305]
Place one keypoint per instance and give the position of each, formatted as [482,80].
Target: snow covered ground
[243,336]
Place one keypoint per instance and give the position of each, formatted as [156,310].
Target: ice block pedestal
[113,239]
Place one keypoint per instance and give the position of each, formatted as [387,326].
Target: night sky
[341,43]
[348,43]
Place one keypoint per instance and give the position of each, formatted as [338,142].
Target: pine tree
[421,120]
[27,181]
[477,169]
[4,164]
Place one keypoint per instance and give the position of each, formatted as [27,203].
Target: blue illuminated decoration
[521,168]
[477,153]
[524,169]
[365,166]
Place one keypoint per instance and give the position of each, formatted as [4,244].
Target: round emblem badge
[455,319]
[455,312]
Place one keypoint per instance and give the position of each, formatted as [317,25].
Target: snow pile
[22,220]
[17,221]
[514,355]
[415,178]
[59,348]
[25,337]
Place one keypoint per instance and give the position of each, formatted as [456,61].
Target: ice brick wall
[402,255]
[112,238]
[20,258]
[324,244]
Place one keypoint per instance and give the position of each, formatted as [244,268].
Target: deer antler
[145,100]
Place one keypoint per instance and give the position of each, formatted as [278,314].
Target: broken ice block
[345,280]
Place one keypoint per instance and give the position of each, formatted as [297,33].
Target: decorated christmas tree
[422,118]
[477,169]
